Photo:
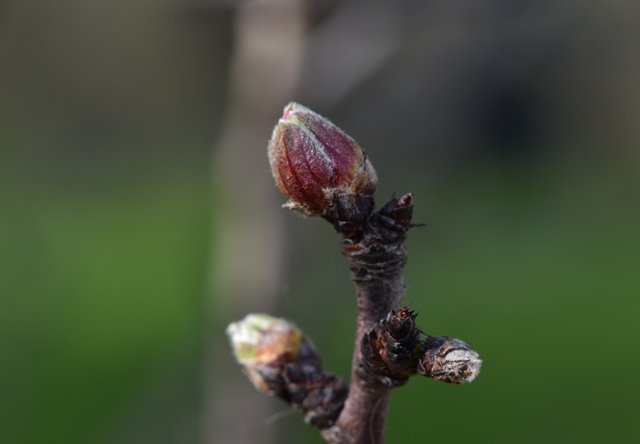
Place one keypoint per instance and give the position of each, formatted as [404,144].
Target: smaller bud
[262,343]
[390,348]
[282,362]
[449,360]
[316,165]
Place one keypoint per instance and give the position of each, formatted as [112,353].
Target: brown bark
[377,256]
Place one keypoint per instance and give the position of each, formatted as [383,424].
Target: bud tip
[260,339]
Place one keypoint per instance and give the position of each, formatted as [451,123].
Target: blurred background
[138,216]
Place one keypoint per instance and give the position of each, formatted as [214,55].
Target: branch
[377,257]
[325,173]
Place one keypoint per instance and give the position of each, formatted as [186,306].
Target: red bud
[314,162]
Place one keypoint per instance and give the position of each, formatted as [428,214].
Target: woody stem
[377,257]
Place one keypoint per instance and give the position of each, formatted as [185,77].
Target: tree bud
[281,361]
[315,163]
[262,344]
[449,360]
[390,349]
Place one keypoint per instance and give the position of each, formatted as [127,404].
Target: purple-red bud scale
[314,162]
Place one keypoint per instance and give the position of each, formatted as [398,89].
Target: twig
[377,258]
[325,173]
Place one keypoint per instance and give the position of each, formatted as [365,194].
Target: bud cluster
[323,172]
[393,351]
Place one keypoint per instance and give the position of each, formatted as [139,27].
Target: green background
[108,208]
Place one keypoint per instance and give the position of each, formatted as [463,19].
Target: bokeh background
[138,216]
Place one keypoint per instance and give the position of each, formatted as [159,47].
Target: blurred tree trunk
[247,242]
